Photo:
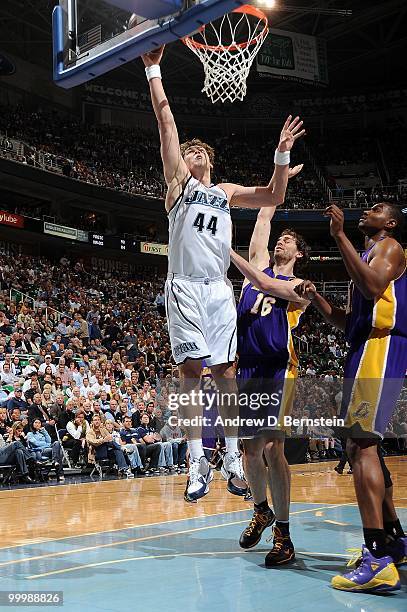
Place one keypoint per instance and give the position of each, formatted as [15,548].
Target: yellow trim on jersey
[294,313]
[293,359]
[287,397]
[385,308]
[368,384]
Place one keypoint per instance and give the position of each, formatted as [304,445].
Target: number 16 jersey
[265,325]
[200,232]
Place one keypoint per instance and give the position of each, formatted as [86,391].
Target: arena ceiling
[366,49]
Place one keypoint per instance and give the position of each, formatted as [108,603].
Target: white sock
[195,449]
[232,445]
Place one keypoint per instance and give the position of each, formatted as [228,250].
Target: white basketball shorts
[201,315]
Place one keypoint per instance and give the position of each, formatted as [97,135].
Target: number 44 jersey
[200,232]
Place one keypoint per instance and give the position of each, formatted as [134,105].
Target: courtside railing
[19,297]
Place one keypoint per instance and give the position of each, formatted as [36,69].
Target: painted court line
[145,538]
[172,555]
[138,526]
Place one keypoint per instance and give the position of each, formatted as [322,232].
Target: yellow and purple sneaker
[372,575]
[397,550]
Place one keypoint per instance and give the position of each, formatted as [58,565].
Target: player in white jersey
[200,302]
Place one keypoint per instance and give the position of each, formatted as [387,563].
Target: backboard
[92,37]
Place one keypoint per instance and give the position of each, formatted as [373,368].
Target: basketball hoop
[227,47]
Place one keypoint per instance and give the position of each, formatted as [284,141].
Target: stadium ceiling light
[266,3]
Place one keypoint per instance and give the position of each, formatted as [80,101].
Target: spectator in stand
[5,422]
[47,364]
[75,437]
[159,302]
[7,377]
[138,411]
[57,409]
[37,411]
[147,434]
[31,387]
[94,330]
[40,443]
[82,328]
[14,453]
[174,434]
[17,401]
[100,442]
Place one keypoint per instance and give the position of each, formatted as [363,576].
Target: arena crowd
[86,367]
[129,159]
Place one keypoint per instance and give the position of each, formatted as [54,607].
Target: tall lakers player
[267,361]
[375,326]
[200,303]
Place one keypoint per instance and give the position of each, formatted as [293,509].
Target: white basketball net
[226,60]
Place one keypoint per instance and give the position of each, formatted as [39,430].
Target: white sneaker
[232,462]
[232,471]
[199,477]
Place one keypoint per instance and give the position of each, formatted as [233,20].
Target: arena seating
[92,323]
[128,159]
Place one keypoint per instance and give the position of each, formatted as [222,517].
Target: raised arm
[277,288]
[258,249]
[387,260]
[175,169]
[274,193]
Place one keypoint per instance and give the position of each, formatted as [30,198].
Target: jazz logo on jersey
[185,347]
[201,197]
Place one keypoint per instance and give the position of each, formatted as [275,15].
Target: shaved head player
[375,326]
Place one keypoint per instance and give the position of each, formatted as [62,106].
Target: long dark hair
[302,246]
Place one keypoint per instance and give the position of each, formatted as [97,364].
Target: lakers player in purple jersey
[375,326]
[268,364]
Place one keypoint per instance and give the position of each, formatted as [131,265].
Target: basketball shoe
[397,550]
[232,471]
[282,552]
[253,532]
[370,575]
[199,477]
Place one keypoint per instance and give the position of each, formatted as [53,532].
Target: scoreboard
[114,242]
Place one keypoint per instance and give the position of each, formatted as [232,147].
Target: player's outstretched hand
[294,171]
[153,57]
[337,219]
[290,133]
[306,290]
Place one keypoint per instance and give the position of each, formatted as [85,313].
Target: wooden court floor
[34,515]
[106,546]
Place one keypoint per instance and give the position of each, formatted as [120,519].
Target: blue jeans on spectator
[133,455]
[54,452]
[166,459]
[102,452]
[179,451]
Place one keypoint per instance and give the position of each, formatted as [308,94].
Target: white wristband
[153,72]
[281,158]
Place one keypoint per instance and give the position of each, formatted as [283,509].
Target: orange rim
[247,9]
